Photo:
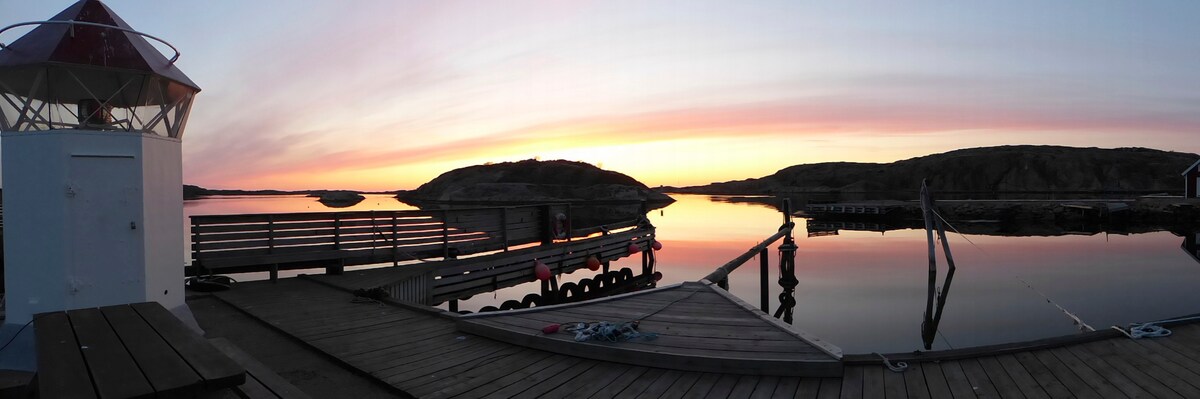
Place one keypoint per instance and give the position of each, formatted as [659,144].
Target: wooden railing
[466,277]
[237,243]
[787,266]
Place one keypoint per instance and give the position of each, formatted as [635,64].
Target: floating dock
[429,353]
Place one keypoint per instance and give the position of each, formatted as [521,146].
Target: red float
[593,263]
[633,249]
[656,245]
[541,271]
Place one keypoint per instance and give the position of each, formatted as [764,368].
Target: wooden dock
[709,343]
[423,352]
[699,327]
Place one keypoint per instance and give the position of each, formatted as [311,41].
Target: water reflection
[861,288]
[933,316]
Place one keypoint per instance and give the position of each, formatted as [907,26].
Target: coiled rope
[898,367]
[1151,329]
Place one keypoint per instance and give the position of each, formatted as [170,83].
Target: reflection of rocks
[1016,228]
[531,181]
[1015,217]
[583,216]
[338,199]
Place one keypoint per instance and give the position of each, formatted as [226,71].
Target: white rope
[898,367]
[1151,329]
[1148,330]
[1079,322]
[960,234]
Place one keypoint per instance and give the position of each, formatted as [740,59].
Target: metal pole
[764,287]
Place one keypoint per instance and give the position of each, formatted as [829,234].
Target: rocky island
[1005,169]
[533,181]
[338,198]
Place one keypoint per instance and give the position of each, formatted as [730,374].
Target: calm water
[866,291]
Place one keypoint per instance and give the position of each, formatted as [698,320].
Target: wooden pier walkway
[698,327]
[423,352]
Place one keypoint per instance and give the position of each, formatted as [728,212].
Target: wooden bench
[126,351]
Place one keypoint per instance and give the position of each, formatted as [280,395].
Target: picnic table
[126,351]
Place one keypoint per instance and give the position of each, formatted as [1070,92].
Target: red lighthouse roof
[89,45]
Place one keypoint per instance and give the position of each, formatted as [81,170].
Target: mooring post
[765,288]
[927,214]
[787,269]
[454,305]
[787,280]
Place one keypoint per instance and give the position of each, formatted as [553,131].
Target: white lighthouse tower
[92,115]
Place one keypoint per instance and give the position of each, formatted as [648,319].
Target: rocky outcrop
[533,181]
[988,169]
[338,198]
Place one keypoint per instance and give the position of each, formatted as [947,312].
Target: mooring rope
[1077,320]
[898,367]
[609,331]
[1151,329]
[960,234]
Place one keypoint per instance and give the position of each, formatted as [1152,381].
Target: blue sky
[389,94]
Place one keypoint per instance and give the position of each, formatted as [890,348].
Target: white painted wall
[162,199]
[91,219]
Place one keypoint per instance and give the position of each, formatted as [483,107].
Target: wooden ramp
[699,327]
[423,354]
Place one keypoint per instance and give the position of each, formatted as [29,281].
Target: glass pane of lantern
[8,111]
[184,111]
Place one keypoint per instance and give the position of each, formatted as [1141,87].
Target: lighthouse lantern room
[92,114]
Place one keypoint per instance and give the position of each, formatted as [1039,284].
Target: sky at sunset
[383,95]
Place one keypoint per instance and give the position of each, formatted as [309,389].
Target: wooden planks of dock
[426,355]
[698,327]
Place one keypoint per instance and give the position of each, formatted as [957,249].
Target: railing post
[547,228]
[395,250]
[195,248]
[337,245]
[337,231]
[271,246]
[504,226]
[765,288]
[445,234]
